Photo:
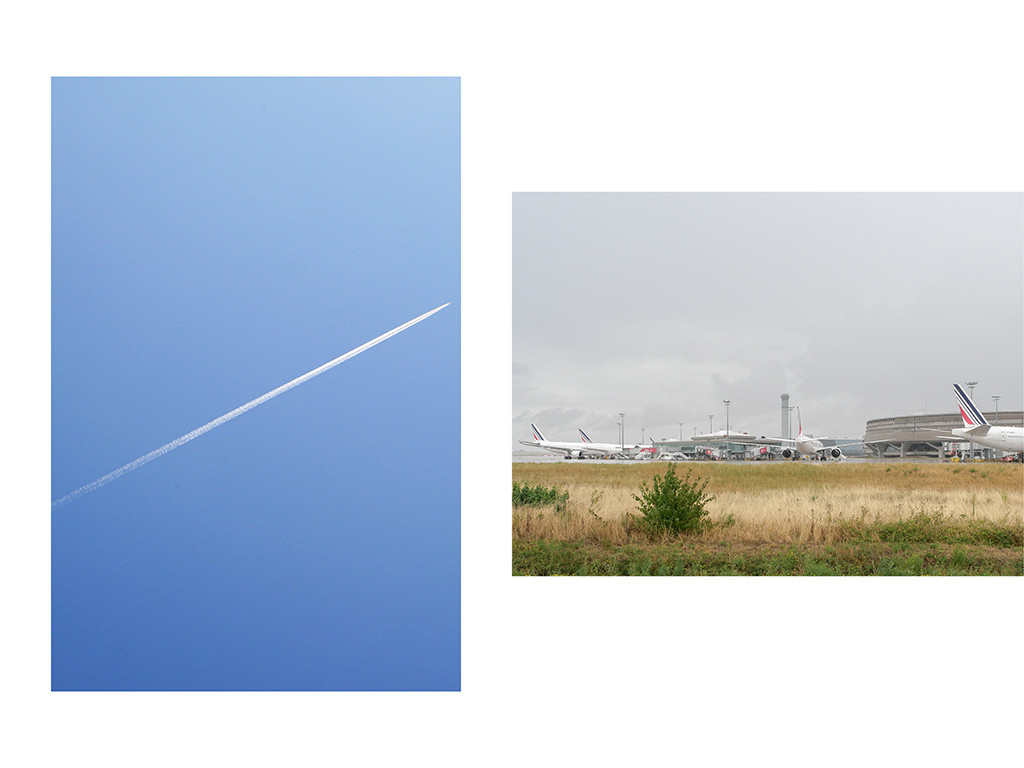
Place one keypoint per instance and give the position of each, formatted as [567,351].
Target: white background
[562,96]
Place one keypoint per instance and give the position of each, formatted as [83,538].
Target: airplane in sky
[796,448]
[978,430]
[575,450]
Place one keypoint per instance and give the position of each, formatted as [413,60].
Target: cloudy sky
[858,305]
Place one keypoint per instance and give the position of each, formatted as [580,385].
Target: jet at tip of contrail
[100,482]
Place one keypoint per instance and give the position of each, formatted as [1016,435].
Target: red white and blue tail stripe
[585,438]
[536,434]
[968,410]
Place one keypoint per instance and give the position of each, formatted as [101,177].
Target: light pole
[996,398]
[970,444]
[791,421]
[622,431]
[680,431]
[643,435]
[711,423]
[727,403]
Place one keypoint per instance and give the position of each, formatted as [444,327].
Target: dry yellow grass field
[776,502]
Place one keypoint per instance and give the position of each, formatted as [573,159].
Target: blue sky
[212,239]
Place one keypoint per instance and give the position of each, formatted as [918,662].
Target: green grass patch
[524,495]
[935,527]
[864,558]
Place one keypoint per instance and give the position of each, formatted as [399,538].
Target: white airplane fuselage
[812,446]
[578,450]
[978,430]
[1009,439]
[792,448]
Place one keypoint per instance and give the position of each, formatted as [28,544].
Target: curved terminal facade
[922,434]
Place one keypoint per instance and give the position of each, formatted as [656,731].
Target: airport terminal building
[921,434]
[917,436]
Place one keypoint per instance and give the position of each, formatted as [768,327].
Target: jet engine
[835,453]
[788,453]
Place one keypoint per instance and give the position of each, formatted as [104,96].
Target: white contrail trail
[98,483]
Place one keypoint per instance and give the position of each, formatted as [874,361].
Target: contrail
[100,482]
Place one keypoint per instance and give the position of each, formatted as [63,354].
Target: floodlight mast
[971,385]
[727,404]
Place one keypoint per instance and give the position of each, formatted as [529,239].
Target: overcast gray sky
[859,305]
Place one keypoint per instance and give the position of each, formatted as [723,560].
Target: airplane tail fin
[799,423]
[969,411]
[536,433]
[585,438]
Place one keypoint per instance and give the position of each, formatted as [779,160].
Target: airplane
[573,450]
[673,456]
[978,430]
[796,448]
[611,447]
[645,452]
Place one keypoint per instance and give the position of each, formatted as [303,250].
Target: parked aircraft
[645,452]
[573,450]
[978,430]
[722,434]
[612,448]
[673,456]
[796,448]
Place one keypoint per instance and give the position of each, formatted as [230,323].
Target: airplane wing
[592,451]
[962,435]
[979,429]
[745,439]
[531,444]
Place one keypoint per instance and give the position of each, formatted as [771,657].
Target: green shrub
[674,504]
[523,495]
[728,521]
